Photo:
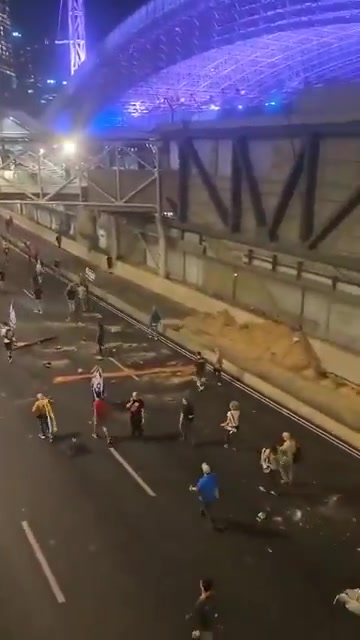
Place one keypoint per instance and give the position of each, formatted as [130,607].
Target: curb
[250,383]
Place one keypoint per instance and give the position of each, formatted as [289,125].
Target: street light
[69,147]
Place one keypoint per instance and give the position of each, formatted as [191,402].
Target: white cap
[205,467]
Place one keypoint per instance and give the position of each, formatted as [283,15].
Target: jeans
[44,425]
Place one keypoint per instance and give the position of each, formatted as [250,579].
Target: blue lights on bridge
[168,63]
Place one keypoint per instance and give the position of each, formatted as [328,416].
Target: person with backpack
[289,454]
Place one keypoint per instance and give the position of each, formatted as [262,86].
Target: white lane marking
[133,473]
[54,586]
[251,392]
[121,366]
[28,293]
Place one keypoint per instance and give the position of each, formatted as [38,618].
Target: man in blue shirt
[207,489]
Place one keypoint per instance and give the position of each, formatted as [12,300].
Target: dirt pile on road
[269,341]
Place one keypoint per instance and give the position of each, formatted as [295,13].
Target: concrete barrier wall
[325,305]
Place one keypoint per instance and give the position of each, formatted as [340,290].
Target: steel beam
[214,195]
[311,164]
[236,190]
[183,181]
[252,183]
[286,195]
[336,219]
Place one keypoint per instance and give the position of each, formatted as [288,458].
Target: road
[128,563]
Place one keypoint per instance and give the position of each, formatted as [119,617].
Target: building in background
[7,75]
[38,73]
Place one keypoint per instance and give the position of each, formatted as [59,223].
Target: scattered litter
[262,489]
[269,550]
[297,515]
[47,364]
[261,516]
[277,519]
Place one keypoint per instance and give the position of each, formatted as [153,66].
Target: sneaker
[95,435]
[226,446]
[51,439]
[41,435]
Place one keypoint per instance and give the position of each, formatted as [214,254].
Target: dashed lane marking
[28,293]
[132,472]
[36,549]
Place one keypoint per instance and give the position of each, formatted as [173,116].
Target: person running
[101,418]
[8,337]
[70,294]
[204,615]
[136,410]
[39,269]
[207,489]
[200,371]
[38,294]
[231,424]
[186,422]
[154,323]
[287,458]
[218,367]
[100,338]
[44,414]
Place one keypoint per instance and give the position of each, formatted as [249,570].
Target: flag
[97,382]
[12,317]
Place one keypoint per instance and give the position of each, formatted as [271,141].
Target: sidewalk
[317,405]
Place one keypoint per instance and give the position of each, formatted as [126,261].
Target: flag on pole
[12,317]
[97,382]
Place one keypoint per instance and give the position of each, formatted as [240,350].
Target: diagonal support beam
[287,195]
[183,181]
[236,190]
[214,195]
[254,191]
[336,219]
[311,166]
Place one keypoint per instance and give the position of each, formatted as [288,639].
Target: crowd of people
[277,461]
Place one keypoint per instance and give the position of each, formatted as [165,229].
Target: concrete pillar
[159,221]
[86,226]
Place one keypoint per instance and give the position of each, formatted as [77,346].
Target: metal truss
[302,179]
[41,176]
[205,49]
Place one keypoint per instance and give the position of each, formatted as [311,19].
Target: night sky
[39,18]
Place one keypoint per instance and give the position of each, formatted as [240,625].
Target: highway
[99,543]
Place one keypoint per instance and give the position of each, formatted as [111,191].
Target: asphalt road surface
[99,545]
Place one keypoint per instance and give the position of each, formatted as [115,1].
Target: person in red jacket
[101,418]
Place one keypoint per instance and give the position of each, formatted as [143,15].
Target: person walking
[70,294]
[200,371]
[231,424]
[186,422]
[218,367]
[205,617]
[154,323]
[101,418]
[6,250]
[100,338]
[2,277]
[83,297]
[44,414]
[136,410]
[207,489]
[38,294]
[97,383]
[288,455]
[58,239]
[8,337]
